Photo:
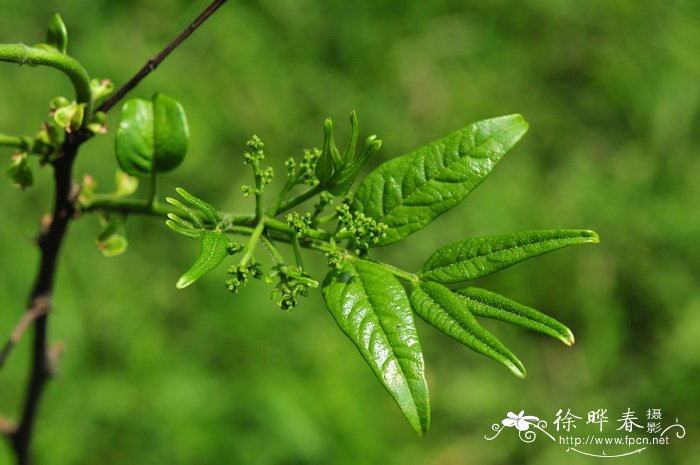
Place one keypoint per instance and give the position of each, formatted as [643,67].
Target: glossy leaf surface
[448,312]
[214,251]
[481,302]
[373,310]
[479,256]
[153,136]
[410,191]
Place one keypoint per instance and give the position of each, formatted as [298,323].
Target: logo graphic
[620,442]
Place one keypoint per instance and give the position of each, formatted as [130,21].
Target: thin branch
[155,61]
[39,306]
[300,198]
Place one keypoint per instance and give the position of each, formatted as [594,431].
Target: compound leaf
[481,302]
[215,246]
[410,191]
[479,256]
[448,312]
[372,309]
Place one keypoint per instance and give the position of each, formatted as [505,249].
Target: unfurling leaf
[329,161]
[372,309]
[113,246]
[112,239]
[441,308]
[70,117]
[205,208]
[125,185]
[349,173]
[19,171]
[57,34]
[152,137]
[100,88]
[410,191]
[479,256]
[215,248]
[481,302]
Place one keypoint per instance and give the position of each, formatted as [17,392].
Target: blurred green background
[151,375]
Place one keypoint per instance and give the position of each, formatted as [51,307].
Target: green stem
[25,55]
[282,227]
[152,194]
[297,252]
[300,198]
[258,195]
[252,242]
[327,218]
[274,252]
[143,207]
[272,209]
[139,206]
[240,224]
[23,143]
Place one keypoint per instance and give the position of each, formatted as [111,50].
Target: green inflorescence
[241,274]
[365,231]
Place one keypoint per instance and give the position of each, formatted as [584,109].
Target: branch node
[7,426]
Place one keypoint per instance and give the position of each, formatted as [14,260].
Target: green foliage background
[155,375]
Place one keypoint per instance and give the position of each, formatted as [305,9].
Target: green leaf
[410,191]
[372,309]
[448,312]
[152,137]
[479,256]
[483,303]
[176,224]
[206,208]
[214,250]
[57,34]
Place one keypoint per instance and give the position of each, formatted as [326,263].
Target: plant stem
[249,248]
[49,242]
[300,198]
[297,252]
[109,203]
[327,219]
[270,246]
[155,61]
[239,225]
[25,55]
[153,192]
[23,143]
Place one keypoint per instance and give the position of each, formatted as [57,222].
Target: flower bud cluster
[292,283]
[241,273]
[365,230]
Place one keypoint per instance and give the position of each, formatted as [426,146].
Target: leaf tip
[517,368]
[593,236]
[569,338]
[183,282]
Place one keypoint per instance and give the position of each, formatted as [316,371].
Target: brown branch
[50,241]
[155,61]
[38,307]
